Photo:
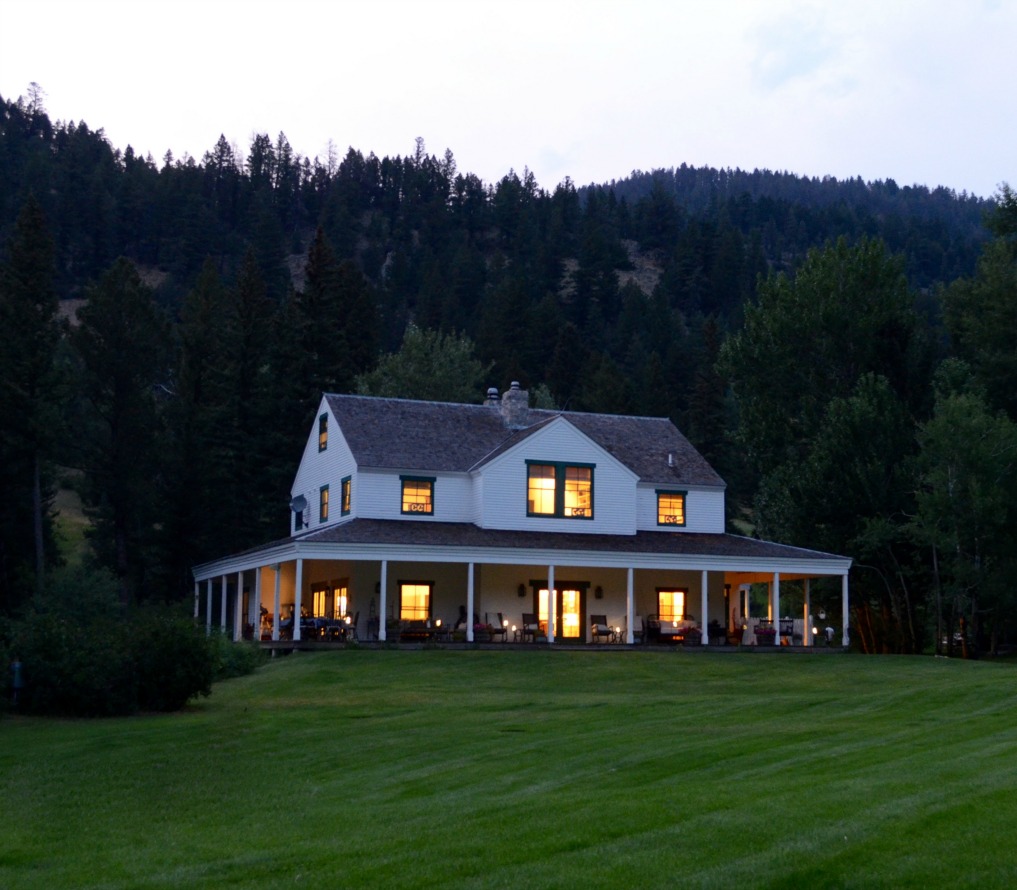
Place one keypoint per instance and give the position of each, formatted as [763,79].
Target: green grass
[531,769]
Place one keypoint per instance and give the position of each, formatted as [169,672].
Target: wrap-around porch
[471,585]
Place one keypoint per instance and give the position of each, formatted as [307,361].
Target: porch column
[845,640]
[551,604]
[238,610]
[254,606]
[197,594]
[807,633]
[469,602]
[208,607]
[776,603]
[297,590]
[222,613]
[703,610]
[630,617]
[277,568]
[383,602]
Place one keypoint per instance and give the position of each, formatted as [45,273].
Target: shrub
[234,659]
[174,659]
[84,656]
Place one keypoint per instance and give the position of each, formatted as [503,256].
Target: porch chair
[530,627]
[601,628]
[498,629]
[652,634]
[787,630]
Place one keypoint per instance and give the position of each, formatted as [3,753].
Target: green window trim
[345,495]
[422,503]
[561,483]
[323,432]
[679,520]
[323,504]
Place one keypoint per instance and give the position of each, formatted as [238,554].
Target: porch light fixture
[598,592]
[522,590]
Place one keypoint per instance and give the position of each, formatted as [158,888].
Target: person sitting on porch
[461,620]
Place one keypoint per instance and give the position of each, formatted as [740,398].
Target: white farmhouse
[495,519]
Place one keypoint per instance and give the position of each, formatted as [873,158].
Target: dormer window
[418,495]
[559,490]
[323,432]
[671,507]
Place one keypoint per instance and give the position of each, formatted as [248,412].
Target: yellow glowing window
[671,605]
[323,504]
[541,487]
[323,432]
[670,508]
[340,599]
[578,491]
[414,601]
[418,495]
[320,593]
[345,497]
[561,490]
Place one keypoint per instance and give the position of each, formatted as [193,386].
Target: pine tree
[120,344]
[29,396]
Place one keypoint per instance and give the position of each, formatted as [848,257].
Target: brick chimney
[515,406]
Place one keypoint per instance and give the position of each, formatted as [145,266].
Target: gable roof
[445,436]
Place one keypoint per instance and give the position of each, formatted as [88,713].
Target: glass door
[568,624]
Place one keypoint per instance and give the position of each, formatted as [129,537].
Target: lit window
[414,600]
[323,504]
[559,490]
[345,499]
[540,499]
[323,432]
[670,508]
[418,495]
[320,595]
[671,605]
[340,599]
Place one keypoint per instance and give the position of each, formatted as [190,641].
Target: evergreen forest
[841,351]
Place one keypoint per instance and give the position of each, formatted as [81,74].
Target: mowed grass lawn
[532,769]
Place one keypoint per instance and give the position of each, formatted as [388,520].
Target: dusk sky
[920,92]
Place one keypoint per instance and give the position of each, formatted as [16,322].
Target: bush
[84,656]
[174,658]
[234,659]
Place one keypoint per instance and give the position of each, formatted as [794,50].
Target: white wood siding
[704,509]
[380,496]
[328,467]
[504,485]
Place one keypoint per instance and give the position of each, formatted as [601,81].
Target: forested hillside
[771,316]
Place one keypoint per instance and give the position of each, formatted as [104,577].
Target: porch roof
[465,542]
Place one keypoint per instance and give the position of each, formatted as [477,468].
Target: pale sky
[920,92]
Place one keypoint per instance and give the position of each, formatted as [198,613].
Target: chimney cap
[514,384]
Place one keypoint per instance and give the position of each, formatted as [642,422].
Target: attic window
[671,507]
[323,432]
[418,495]
[561,490]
